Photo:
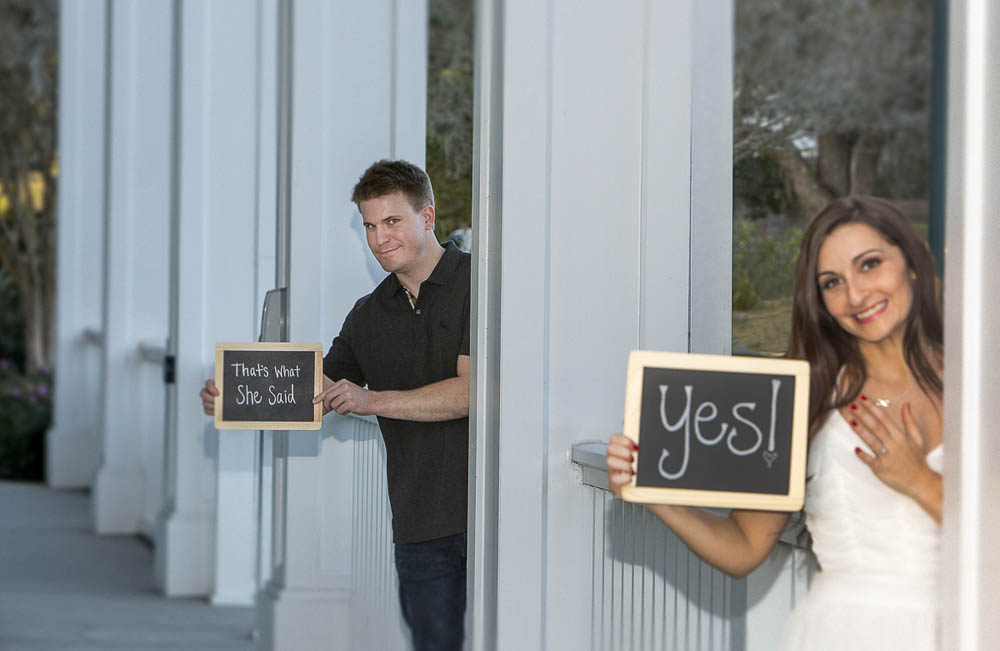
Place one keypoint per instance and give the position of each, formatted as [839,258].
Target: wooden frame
[790,501]
[317,420]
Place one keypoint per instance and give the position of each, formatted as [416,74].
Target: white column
[711,48]
[224,220]
[970,564]
[135,248]
[248,92]
[600,245]
[73,446]
[349,110]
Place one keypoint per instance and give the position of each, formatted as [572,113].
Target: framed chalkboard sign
[715,430]
[268,385]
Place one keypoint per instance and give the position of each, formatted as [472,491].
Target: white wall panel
[135,246]
[600,242]
[970,564]
[711,177]
[359,86]
[223,264]
[526,223]
[375,602]
[593,243]
[647,590]
[151,394]
[73,445]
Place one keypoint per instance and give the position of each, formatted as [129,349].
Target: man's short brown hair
[389,176]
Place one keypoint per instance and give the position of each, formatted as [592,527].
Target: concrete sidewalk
[62,587]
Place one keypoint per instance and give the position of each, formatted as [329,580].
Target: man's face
[397,233]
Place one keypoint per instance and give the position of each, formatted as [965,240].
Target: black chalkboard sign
[268,386]
[715,430]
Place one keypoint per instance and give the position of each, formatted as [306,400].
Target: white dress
[878,551]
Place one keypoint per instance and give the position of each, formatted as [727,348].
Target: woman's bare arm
[734,544]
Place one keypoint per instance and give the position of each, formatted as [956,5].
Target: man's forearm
[443,400]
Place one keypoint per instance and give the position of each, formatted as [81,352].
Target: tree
[450,61]
[843,79]
[28,86]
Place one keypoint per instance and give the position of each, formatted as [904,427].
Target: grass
[765,328]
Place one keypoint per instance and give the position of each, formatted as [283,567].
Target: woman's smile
[872,312]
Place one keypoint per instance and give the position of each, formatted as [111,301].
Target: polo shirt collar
[446,265]
[444,268]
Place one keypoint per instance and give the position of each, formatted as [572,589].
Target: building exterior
[208,152]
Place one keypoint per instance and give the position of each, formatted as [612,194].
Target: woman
[866,317]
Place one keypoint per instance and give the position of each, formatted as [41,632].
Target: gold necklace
[885,402]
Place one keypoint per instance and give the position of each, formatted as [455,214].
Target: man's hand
[208,395]
[345,397]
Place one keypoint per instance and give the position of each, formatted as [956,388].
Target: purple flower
[32,399]
[42,389]
[4,364]
[45,370]
[15,392]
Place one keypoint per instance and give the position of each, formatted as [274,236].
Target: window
[829,99]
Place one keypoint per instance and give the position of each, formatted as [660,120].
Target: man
[403,356]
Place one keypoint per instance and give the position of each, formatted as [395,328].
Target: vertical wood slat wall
[377,623]
[649,591]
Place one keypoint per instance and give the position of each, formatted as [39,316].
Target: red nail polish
[857,450]
[854,406]
[864,397]
[635,446]
[854,423]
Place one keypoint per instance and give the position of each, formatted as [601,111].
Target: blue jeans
[432,591]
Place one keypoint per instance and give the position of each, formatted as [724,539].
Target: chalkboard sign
[715,430]
[268,386]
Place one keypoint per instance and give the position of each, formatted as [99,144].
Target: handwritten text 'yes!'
[740,440]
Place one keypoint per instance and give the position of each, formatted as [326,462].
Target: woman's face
[865,282]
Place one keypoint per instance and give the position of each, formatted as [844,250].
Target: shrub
[763,266]
[25,413]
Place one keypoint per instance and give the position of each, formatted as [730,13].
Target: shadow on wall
[638,559]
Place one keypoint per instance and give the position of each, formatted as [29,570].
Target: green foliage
[761,186]
[29,66]
[839,92]
[763,266]
[450,89]
[25,413]
[452,192]
[11,321]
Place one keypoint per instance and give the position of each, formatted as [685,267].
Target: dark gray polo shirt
[388,345]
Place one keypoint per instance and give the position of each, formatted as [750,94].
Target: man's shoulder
[362,303]
[462,263]
[387,286]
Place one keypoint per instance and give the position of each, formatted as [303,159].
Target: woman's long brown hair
[818,338]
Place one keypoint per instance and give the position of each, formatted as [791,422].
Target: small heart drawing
[769,457]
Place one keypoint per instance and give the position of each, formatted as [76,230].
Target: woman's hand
[619,462]
[900,458]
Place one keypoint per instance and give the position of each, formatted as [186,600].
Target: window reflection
[830,99]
